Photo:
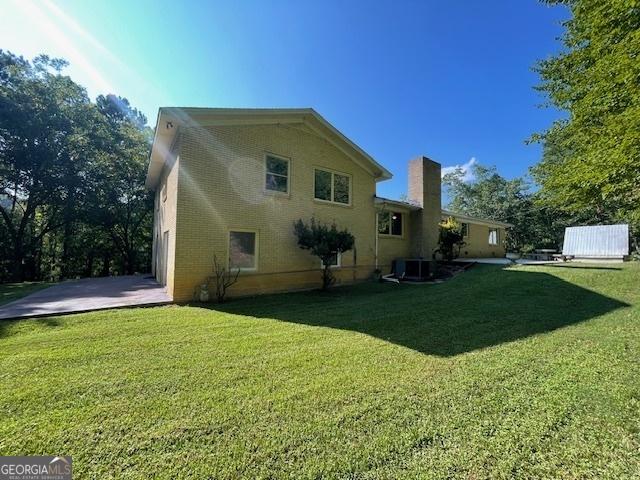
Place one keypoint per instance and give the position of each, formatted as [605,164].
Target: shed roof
[596,241]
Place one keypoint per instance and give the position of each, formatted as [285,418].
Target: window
[163,192]
[390,223]
[465,229]
[332,187]
[336,261]
[242,250]
[277,174]
[493,236]
[323,185]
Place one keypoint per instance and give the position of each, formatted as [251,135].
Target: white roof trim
[478,221]
[445,213]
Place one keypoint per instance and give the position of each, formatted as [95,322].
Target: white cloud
[466,168]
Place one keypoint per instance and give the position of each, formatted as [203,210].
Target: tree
[324,242]
[72,197]
[450,238]
[43,120]
[591,158]
[512,201]
[120,202]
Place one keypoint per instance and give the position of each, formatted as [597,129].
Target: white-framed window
[243,250]
[465,229]
[330,186]
[163,192]
[336,261]
[493,236]
[276,173]
[390,223]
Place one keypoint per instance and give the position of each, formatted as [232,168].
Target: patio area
[88,294]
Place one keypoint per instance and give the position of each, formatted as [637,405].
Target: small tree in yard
[325,242]
[221,279]
[451,238]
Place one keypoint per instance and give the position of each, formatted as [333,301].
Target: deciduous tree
[494,197]
[72,196]
[591,160]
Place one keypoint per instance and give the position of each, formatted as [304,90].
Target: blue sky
[450,80]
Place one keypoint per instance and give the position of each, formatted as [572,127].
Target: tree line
[72,196]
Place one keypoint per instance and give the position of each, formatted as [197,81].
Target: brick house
[231,183]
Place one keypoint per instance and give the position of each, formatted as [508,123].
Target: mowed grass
[13,291]
[525,372]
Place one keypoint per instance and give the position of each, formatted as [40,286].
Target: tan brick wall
[165,218]
[477,242]
[221,188]
[393,247]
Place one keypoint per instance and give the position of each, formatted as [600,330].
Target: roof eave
[162,144]
[484,221]
[396,203]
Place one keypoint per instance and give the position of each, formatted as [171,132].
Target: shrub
[450,239]
[221,279]
[325,242]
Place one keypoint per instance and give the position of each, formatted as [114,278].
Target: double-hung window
[390,223]
[277,174]
[493,236]
[465,230]
[332,187]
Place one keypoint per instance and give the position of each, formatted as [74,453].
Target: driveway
[88,294]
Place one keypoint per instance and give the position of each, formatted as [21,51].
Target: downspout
[375,231]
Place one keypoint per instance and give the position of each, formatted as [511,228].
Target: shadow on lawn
[484,307]
[6,326]
[580,267]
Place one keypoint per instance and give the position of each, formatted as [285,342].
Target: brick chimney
[424,190]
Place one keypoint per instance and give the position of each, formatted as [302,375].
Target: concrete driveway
[88,294]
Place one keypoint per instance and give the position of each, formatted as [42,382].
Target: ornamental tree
[325,242]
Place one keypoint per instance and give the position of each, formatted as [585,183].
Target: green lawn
[13,291]
[526,372]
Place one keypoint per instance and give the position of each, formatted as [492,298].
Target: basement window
[336,261]
[243,250]
[390,223]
